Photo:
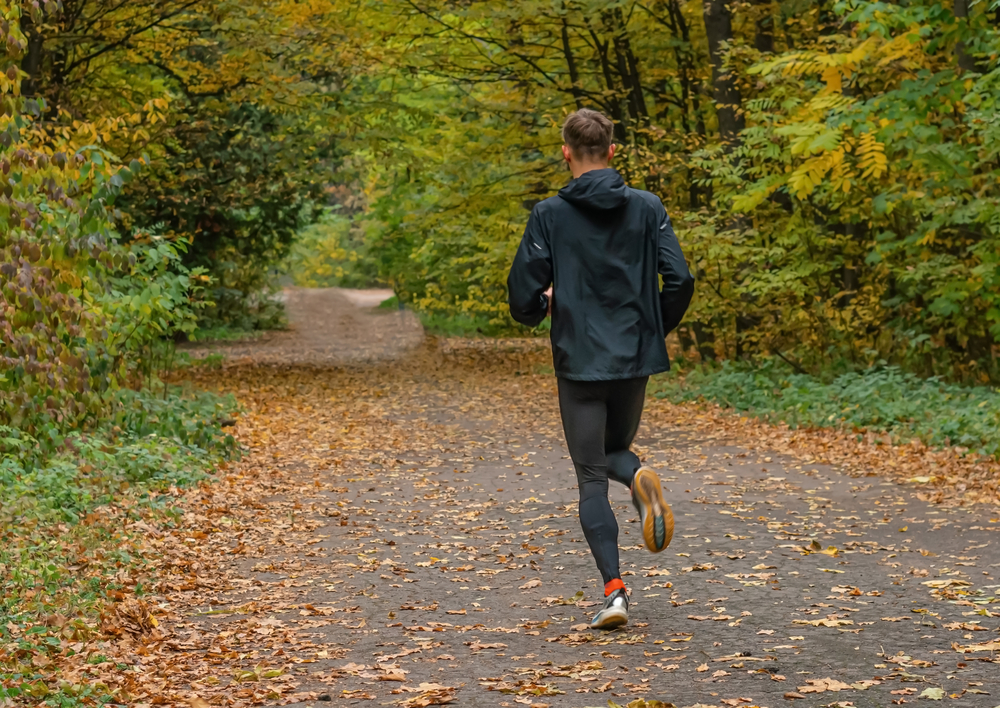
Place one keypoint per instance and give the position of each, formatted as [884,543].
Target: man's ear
[611,152]
[567,155]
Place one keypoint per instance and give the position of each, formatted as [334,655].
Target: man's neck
[579,168]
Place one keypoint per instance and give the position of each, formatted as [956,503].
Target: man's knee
[623,459]
[596,487]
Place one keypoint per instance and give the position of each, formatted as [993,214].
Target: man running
[590,257]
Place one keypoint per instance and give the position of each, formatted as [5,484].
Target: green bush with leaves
[883,398]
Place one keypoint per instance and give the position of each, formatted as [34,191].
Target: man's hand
[549,293]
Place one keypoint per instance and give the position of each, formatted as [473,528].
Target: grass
[883,399]
[64,547]
[226,333]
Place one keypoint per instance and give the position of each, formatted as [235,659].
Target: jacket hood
[598,189]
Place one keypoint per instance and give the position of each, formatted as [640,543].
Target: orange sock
[612,585]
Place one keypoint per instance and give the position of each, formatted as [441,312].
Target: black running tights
[600,419]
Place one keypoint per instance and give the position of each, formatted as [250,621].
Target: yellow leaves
[816,62]
[815,547]
[832,78]
[831,621]
[871,156]
[826,684]
[946,583]
[993,645]
[903,47]
[811,173]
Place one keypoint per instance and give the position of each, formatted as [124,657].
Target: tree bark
[719,29]
[621,136]
[705,341]
[966,62]
[574,74]
[31,63]
[763,41]
[628,67]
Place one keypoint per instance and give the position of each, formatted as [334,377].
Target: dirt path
[405,531]
[329,326]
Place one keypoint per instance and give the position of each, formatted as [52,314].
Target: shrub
[882,398]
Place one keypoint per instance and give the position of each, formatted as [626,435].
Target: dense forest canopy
[831,168]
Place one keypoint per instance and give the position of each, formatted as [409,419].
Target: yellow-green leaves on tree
[871,156]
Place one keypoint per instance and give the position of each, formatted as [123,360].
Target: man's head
[587,135]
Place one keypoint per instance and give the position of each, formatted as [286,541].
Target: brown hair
[588,134]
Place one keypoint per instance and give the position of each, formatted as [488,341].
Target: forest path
[404,531]
[328,327]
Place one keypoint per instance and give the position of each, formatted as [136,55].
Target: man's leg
[625,403]
[625,400]
[584,417]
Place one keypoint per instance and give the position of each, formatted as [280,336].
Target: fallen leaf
[993,645]
[821,685]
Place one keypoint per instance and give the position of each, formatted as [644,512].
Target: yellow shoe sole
[657,517]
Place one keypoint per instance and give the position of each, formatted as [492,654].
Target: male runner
[590,257]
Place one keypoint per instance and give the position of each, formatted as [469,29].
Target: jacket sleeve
[530,275]
[678,283]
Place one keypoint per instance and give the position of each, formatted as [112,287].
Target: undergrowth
[883,399]
[466,325]
[65,548]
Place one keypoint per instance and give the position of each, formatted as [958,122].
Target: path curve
[329,326]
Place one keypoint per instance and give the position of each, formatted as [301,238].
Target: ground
[403,529]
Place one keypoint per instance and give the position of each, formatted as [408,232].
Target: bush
[884,399]
[63,543]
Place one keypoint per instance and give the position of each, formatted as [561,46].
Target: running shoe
[655,514]
[614,613]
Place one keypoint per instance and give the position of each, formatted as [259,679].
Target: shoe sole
[612,620]
[658,520]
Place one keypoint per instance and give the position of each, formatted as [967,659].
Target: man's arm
[530,276]
[678,283]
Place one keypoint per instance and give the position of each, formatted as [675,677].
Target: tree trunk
[719,29]
[966,62]
[706,341]
[31,63]
[615,106]
[574,74]
[764,39]
[628,67]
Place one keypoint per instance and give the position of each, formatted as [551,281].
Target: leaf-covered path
[405,531]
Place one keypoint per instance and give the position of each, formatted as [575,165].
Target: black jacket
[601,245]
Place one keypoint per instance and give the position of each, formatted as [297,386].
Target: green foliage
[883,398]
[112,318]
[333,252]
[85,322]
[228,100]
[860,216]
[63,545]
[151,441]
[227,187]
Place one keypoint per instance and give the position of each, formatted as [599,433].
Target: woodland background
[832,169]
